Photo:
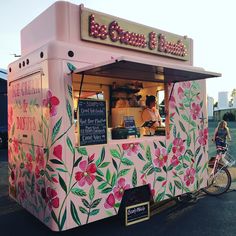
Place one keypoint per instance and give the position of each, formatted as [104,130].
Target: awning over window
[146,70]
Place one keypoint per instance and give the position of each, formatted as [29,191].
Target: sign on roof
[106,29]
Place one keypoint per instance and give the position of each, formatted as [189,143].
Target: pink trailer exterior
[69,53]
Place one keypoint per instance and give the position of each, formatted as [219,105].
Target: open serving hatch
[146,70]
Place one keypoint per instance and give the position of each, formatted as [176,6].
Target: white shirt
[151,114]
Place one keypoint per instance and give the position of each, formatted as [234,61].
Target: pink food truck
[79,149]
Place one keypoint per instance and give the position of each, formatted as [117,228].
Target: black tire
[221,181]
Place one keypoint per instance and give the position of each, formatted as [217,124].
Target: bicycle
[219,180]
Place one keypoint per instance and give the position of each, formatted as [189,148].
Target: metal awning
[146,70]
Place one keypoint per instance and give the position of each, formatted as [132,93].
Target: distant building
[223,100]
[225,110]
[210,108]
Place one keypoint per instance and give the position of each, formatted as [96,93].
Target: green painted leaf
[160,196]
[56,161]
[155,145]
[94,212]
[70,145]
[79,192]
[187,158]
[146,166]
[113,180]
[188,140]
[182,126]
[184,117]
[96,202]
[189,152]
[61,170]
[123,172]
[160,178]
[148,153]
[104,164]
[49,168]
[140,156]
[56,129]
[126,162]
[197,151]
[157,170]
[74,213]
[151,171]
[91,193]
[54,217]
[108,175]
[82,151]
[178,184]
[106,190]
[77,162]
[141,145]
[63,220]
[98,178]
[114,164]
[134,178]
[62,183]
[115,153]
[99,172]
[170,167]
[101,157]
[170,148]
[171,187]
[86,203]
[102,186]
[83,210]
[69,111]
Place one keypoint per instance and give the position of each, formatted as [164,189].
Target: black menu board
[92,122]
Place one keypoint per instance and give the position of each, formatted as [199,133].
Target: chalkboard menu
[92,122]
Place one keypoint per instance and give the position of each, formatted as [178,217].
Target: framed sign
[92,122]
[137,213]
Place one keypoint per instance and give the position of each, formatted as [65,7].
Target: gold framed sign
[137,213]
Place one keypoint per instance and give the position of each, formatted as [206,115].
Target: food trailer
[78,148]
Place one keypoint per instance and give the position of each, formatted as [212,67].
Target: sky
[210,23]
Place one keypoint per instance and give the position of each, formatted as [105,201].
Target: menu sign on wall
[92,122]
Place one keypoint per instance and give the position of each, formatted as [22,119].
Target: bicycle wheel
[220,182]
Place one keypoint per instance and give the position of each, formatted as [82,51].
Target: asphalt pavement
[210,216]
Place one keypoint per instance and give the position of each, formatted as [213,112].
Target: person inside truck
[150,113]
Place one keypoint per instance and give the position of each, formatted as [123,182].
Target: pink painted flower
[120,189]
[130,148]
[87,173]
[174,161]
[110,201]
[180,93]
[178,147]
[57,151]
[195,110]
[52,199]
[29,162]
[51,102]
[189,176]
[203,136]
[186,85]
[161,157]
[15,145]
